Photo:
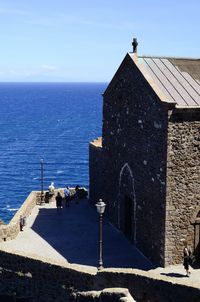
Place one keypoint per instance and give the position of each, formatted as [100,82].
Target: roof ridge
[169,57]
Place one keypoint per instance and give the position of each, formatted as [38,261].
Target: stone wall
[134,155]
[114,294]
[39,281]
[145,288]
[95,171]
[10,230]
[34,280]
[183,181]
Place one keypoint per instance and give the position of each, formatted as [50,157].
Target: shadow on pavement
[74,233]
[176,275]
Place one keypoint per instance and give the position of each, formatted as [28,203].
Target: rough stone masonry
[149,158]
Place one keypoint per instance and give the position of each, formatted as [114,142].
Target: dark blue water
[53,122]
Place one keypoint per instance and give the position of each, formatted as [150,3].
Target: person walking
[186,258]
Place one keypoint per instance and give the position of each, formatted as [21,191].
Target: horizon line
[51,82]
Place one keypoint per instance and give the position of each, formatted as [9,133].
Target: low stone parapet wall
[114,294]
[9,231]
[147,287]
[37,280]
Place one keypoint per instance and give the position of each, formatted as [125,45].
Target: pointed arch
[127,168]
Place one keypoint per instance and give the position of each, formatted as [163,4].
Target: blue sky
[61,40]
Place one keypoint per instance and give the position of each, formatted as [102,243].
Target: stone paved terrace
[71,236]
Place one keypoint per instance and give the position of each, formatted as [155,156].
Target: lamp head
[100,206]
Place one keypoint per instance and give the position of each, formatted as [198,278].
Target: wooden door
[197,240]
[128,217]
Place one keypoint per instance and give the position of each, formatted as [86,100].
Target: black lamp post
[42,179]
[100,209]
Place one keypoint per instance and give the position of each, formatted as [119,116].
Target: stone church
[146,166]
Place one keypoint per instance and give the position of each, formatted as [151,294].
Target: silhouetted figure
[59,201]
[46,197]
[21,223]
[77,193]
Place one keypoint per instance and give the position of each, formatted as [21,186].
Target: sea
[49,122]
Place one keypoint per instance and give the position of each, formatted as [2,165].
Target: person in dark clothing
[77,193]
[59,201]
[186,258]
[21,223]
[67,196]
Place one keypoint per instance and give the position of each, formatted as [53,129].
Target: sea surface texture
[53,122]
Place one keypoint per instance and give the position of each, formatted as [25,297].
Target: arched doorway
[127,203]
[197,236]
[128,217]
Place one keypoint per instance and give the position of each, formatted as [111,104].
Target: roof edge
[187,107]
[116,73]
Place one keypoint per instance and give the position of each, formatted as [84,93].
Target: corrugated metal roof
[177,79]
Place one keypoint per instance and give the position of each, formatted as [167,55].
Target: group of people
[68,196]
